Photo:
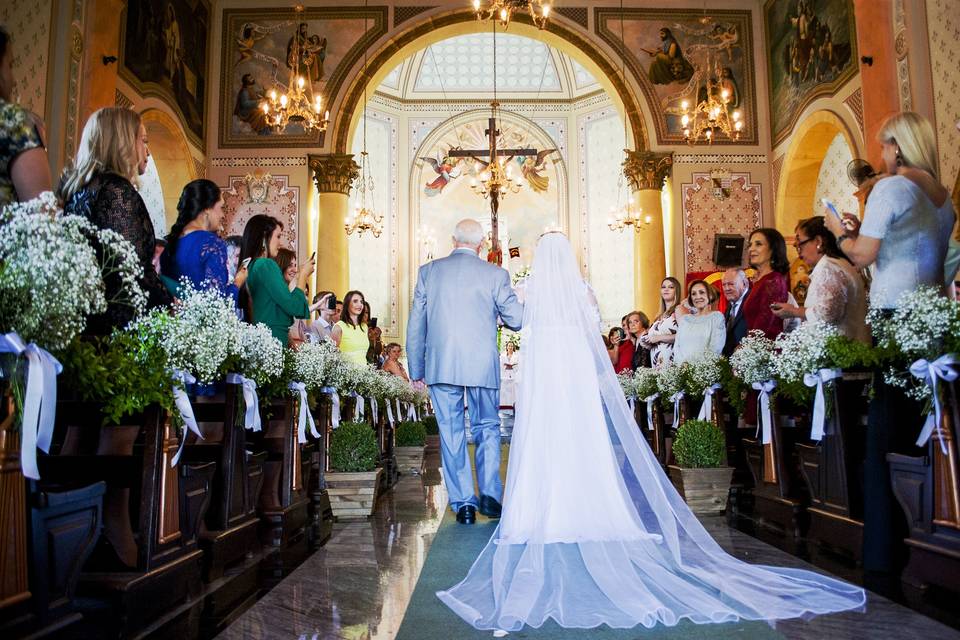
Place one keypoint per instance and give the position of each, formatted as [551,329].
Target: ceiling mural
[259,56]
[673,54]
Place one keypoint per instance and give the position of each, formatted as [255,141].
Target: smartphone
[313,255]
[833,209]
[372,324]
[776,306]
[621,333]
[332,303]
[246,261]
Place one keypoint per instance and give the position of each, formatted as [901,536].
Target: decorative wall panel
[259,192]
[943,23]
[28,23]
[832,183]
[705,215]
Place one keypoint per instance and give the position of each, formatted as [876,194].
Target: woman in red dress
[767,254]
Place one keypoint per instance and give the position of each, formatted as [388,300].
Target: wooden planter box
[353,495]
[704,490]
[409,459]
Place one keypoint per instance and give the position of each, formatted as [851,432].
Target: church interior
[656,135]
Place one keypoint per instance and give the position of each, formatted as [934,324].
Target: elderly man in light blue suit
[452,346]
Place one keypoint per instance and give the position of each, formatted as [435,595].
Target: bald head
[468,233]
[734,284]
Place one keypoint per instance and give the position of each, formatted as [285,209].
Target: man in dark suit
[736,286]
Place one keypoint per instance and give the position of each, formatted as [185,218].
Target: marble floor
[359,584]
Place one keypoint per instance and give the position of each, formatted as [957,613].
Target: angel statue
[447,169]
[531,168]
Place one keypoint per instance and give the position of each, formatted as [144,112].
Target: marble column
[646,171]
[333,174]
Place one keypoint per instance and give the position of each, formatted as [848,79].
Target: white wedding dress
[592,531]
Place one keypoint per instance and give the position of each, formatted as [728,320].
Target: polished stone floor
[359,584]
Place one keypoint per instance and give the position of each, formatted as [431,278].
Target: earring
[899,158]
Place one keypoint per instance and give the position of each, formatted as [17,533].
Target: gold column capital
[334,172]
[647,169]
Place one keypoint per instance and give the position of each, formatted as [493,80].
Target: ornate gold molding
[334,172]
[647,169]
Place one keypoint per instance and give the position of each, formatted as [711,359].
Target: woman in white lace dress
[836,295]
[661,334]
[700,330]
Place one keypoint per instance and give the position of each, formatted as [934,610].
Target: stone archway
[170,152]
[441,27]
[797,188]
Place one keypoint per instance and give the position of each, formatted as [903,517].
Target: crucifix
[499,181]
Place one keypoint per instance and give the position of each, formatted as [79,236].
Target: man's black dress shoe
[490,507]
[467,514]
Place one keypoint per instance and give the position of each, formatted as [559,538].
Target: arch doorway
[174,163]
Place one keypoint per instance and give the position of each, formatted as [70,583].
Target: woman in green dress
[269,299]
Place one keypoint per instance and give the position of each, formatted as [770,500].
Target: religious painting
[274,50]
[811,50]
[164,54]
[446,189]
[686,56]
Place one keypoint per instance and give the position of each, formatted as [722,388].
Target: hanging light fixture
[712,116]
[502,11]
[296,103]
[364,217]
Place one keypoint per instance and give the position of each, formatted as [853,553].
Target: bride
[592,530]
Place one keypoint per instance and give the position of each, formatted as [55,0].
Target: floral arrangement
[670,380]
[753,361]
[925,324]
[259,354]
[645,382]
[315,364]
[51,278]
[627,383]
[514,339]
[703,372]
[522,274]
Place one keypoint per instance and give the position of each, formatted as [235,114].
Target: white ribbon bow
[764,418]
[706,409]
[632,402]
[675,399]
[930,373]
[399,412]
[650,400]
[303,413]
[252,418]
[374,410]
[817,380]
[335,406]
[358,413]
[40,400]
[411,412]
[182,400]
[389,412]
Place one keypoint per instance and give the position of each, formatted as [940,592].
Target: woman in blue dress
[194,250]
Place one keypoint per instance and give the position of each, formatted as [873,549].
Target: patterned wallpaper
[152,193]
[705,215]
[944,26]
[28,22]
[832,183]
[261,193]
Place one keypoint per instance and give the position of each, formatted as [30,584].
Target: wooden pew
[655,437]
[831,471]
[928,490]
[321,514]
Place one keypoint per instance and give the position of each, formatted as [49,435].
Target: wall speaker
[727,250]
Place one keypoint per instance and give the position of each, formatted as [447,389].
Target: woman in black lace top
[99,186]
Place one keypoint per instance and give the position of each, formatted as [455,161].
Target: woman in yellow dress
[350,332]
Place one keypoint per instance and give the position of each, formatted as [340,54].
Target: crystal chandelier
[296,103]
[364,217]
[628,215]
[502,10]
[711,117]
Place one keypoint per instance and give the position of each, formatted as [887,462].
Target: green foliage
[699,444]
[353,447]
[119,371]
[845,353]
[734,388]
[411,434]
[430,422]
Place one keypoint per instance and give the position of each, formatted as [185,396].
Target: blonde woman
[101,186]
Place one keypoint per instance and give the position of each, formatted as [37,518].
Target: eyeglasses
[798,245]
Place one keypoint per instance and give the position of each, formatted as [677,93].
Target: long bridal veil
[593,532]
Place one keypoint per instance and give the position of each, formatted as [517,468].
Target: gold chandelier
[711,117]
[296,103]
[629,215]
[502,10]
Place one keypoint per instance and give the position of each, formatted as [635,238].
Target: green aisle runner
[453,551]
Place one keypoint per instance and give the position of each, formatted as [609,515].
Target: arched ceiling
[463,65]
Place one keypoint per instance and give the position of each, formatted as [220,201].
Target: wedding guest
[24,167]
[350,332]
[322,328]
[194,250]
[287,261]
[836,294]
[272,301]
[392,363]
[612,342]
[700,329]
[659,338]
[375,350]
[100,186]
[767,253]
[509,372]
[638,323]
[908,219]
[736,285]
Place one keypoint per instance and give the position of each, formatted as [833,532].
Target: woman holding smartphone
[272,301]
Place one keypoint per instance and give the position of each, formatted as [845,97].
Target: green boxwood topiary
[430,422]
[411,434]
[699,444]
[353,447]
